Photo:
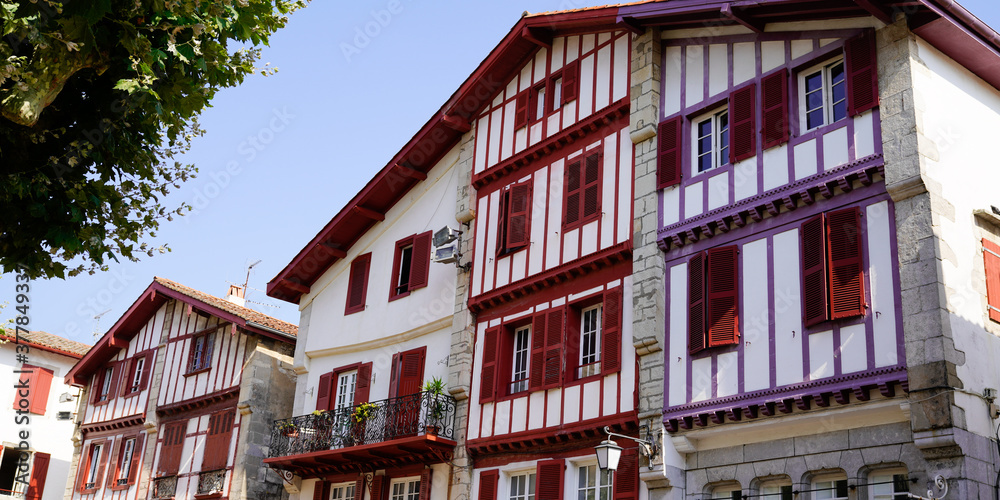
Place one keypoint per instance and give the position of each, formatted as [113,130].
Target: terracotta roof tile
[243,312]
[49,340]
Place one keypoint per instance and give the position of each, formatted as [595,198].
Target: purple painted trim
[896,292]
[706,68]
[772,332]
[869,316]
[759,70]
[714,393]
[877,131]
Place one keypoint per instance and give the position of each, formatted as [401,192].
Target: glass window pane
[814,81]
[814,100]
[814,118]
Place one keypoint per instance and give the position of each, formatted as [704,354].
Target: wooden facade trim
[564,437]
[98,428]
[208,402]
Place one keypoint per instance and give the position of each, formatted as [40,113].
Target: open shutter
[321,490]
[378,487]
[113,463]
[549,479]
[147,368]
[537,375]
[518,215]
[723,303]
[488,380]
[488,484]
[554,334]
[521,110]
[357,285]
[425,484]
[421,261]
[103,461]
[846,276]
[362,385]
[815,308]
[991,261]
[611,336]
[696,303]
[128,374]
[116,376]
[359,489]
[627,476]
[862,73]
[742,123]
[774,119]
[591,186]
[571,82]
[39,472]
[133,473]
[571,202]
[40,391]
[323,391]
[668,168]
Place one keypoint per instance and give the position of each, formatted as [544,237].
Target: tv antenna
[97,323]
[251,266]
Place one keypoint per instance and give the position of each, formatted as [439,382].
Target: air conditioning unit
[446,254]
[64,415]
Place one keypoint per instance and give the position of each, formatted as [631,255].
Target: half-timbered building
[177,398]
[804,190]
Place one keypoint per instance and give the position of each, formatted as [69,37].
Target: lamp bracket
[648,447]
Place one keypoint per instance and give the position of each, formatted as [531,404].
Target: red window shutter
[518,215]
[220,433]
[421,260]
[425,484]
[669,139]
[488,484]
[362,386]
[774,94]
[103,460]
[503,214]
[846,273]
[553,369]
[357,284]
[321,490]
[991,261]
[742,123]
[571,82]
[323,391]
[549,476]
[521,110]
[116,376]
[147,368]
[815,308]
[862,73]
[170,450]
[591,186]
[39,472]
[411,377]
[359,489]
[536,379]
[488,380]
[626,485]
[573,188]
[133,474]
[40,392]
[723,292]
[128,373]
[696,303]
[378,488]
[611,336]
[113,463]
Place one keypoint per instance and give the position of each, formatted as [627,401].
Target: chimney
[235,295]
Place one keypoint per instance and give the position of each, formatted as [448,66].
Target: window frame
[347,487]
[417,243]
[200,363]
[97,451]
[411,486]
[130,388]
[719,147]
[600,476]
[826,88]
[529,476]
[337,391]
[584,370]
[523,384]
[873,482]
[836,480]
[581,160]
[134,461]
[505,215]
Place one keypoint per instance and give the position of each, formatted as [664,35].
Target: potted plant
[434,389]
[363,412]
[288,429]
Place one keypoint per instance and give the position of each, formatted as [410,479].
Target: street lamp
[609,453]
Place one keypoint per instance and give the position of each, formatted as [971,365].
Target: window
[410,265]
[343,491]
[128,447]
[889,486]
[711,136]
[582,187]
[537,102]
[105,381]
[514,218]
[824,91]
[127,461]
[345,389]
[522,486]
[590,341]
[33,398]
[9,473]
[991,261]
[830,490]
[776,492]
[92,468]
[138,369]
[729,493]
[832,267]
[593,483]
[406,489]
[713,300]
[201,352]
[137,377]
[170,448]
[560,88]
[519,374]
[357,284]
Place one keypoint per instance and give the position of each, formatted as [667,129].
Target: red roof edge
[35,345]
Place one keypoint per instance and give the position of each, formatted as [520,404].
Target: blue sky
[283,154]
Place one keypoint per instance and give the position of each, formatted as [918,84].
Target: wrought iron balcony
[420,414]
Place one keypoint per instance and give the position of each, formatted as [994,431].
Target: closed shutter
[846,276]
[488,381]
[571,82]
[549,479]
[321,490]
[357,285]
[696,303]
[412,372]
[421,260]
[147,368]
[362,385]
[425,484]
[39,472]
[591,186]
[518,215]
[774,118]
[323,391]
[220,431]
[991,261]
[488,484]
[555,322]
[723,303]
[627,476]
[133,474]
[742,123]
[862,73]
[114,463]
[814,304]
[521,110]
[571,202]
[668,168]
[170,449]
[611,335]
[378,488]
[536,377]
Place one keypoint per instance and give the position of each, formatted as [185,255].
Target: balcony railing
[418,414]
